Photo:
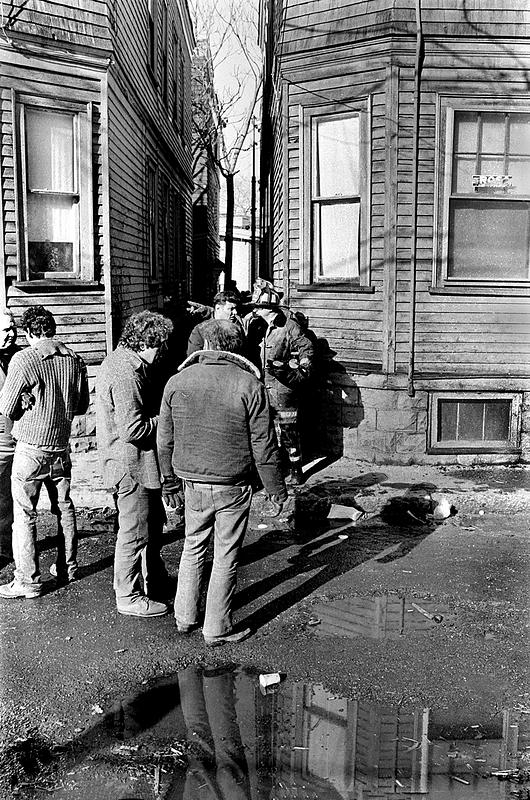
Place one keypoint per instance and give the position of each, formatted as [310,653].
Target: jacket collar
[214,356]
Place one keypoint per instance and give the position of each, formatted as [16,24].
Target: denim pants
[222,511]
[141,518]
[32,468]
[6,501]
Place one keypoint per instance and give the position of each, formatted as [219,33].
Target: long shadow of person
[327,557]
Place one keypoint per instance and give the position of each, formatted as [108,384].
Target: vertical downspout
[418,63]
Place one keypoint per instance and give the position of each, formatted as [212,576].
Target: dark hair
[145,328]
[38,321]
[222,334]
[225,297]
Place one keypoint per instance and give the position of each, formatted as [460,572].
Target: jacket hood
[211,356]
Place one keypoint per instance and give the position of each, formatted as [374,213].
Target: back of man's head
[145,329]
[221,334]
[38,321]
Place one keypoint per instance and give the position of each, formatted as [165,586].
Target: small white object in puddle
[262,525]
[338,511]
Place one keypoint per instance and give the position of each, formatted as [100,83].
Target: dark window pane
[470,420]
[497,420]
[489,239]
[447,417]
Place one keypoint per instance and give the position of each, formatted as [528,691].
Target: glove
[172,493]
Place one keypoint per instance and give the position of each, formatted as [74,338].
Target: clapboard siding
[83,23]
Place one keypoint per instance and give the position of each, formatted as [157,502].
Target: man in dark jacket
[225,306]
[214,429]
[8,337]
[285,354]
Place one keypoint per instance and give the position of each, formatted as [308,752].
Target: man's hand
[196,309]
[172,493]
[276,502]
[27,401]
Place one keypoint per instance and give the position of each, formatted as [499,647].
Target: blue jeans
[222,511]
[137,558]
[32,468]
[6,502]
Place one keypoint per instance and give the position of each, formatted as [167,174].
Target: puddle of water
[385,617]
[212,734]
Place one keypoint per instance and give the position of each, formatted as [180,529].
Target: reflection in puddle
[211,734]
[384,617]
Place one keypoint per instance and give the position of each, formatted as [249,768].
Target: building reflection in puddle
[380,617]
[300,741]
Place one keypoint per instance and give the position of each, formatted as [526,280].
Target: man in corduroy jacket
[214,430]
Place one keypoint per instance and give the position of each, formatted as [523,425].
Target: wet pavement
[214,732]
[402,648]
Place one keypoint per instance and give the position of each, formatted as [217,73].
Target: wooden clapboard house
[396,215]
[95,172]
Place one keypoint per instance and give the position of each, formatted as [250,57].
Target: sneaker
[141,606]
[15,589]
[62,576]
[229,638]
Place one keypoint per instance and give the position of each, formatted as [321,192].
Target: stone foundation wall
[83,436]
[356,416]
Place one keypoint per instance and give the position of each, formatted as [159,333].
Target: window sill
[342,286]
[509,449]
[51,285]
[490,290]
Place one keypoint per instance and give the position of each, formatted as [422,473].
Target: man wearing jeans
[215,427]
[127,416]
[45,388]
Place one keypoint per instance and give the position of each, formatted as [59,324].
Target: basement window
[474,422]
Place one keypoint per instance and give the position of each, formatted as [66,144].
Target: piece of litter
[96,709]
[122,650]
[313,621]
[68,639]
[481,512]
[338,511]
[262,525]
[467,527]
[460,780]
[442,510]
[399,783]
[298,747]
[343,536]
[269,679]
[409,571]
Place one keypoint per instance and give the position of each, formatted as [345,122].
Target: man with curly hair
[126,431]
[45,387]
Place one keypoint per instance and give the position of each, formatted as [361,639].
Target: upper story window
[176,82]
[55,180]
[484,202]
[163,16]
[152,220]
[152,9]
[335,246]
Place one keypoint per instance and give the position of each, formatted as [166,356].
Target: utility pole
[253,209]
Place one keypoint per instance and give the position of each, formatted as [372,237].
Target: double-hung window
[335,242]
[55,181]
[484,201]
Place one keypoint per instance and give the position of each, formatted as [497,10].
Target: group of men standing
[206,445]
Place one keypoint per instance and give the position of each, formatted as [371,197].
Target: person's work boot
[140,606]
[15,589]
[229,638]
[295,477]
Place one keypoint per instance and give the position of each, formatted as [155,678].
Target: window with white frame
[485,198]
[476,421]
[335,197]
[55,179]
